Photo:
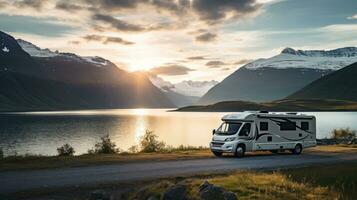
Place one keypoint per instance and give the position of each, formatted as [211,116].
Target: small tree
[345,135]
[1,153]
[133,149]
[106,146]
[65,150]
[149,143]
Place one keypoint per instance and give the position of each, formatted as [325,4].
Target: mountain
[285,105]
[340,85]
[32,78]
[183,93]
[277,77]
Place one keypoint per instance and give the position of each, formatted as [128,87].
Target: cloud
[352,17]
[215,64]
[206,37]
[118,24]
[69,6]
[214,11]
[171,70]
[107,40]
[196,58]
[36,4]
[242,61]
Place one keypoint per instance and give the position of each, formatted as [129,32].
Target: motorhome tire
[297,150]
[240,151]
[216,153]
[274,151]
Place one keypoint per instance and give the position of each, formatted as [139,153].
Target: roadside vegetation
[150,148]
[337,181]
[327,181]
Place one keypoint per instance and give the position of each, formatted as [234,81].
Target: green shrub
[149,143]
[105,146]
[65,150]
[134,149]
[1,153]
[344,134]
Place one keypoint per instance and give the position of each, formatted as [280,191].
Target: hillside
[277,77]
[341,85]
[49,80]
[277,106]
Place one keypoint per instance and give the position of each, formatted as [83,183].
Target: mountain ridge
[276,77]
[68,81]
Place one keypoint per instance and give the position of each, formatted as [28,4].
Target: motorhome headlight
[230,139]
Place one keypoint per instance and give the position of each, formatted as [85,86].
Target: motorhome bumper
[222,146]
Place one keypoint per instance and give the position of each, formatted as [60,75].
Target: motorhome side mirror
[213,131]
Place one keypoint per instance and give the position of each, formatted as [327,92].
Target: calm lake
[43,132]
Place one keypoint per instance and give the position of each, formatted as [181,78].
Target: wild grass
[343,133]
[331,181]
[246,184]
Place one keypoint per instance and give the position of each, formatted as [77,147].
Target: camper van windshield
[229,128]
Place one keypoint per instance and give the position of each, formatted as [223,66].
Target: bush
[149,143]
[133,149]
[105,146]
[65,150]
[1,153]
[345,134]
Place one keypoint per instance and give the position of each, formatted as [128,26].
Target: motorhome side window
[263,126]
[288,126]
[305,126]
[245,130]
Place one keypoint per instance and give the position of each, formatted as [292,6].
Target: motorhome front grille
[217,144]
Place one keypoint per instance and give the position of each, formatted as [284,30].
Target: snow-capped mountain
[279,76]
[56,81]
[187,88]
[312,59]
[38,52]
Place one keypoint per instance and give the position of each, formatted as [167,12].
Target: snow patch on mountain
[5,49]
[34,50]
[187,88]
[311,59]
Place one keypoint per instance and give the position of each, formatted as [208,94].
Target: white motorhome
[264,131]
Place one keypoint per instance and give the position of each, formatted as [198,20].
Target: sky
[181,39]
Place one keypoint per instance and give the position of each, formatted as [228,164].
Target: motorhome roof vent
[263,111]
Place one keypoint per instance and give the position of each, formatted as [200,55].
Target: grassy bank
[338,181]
[332,181]
[45,162]
[48,162]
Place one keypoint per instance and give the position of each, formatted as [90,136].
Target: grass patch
[336,181]
[246,184]
[341,178]
[29,162]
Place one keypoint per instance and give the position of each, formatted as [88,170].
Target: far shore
[284,105]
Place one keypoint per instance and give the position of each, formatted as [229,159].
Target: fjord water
[43,132]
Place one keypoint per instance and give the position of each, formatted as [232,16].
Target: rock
[176,192]
[99,195]
[204,185]
[230,196]
[212,192]
[153,198]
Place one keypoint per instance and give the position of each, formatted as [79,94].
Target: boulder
[99,195]
[153,198]
[176,192]
[230,196]
[212,192]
